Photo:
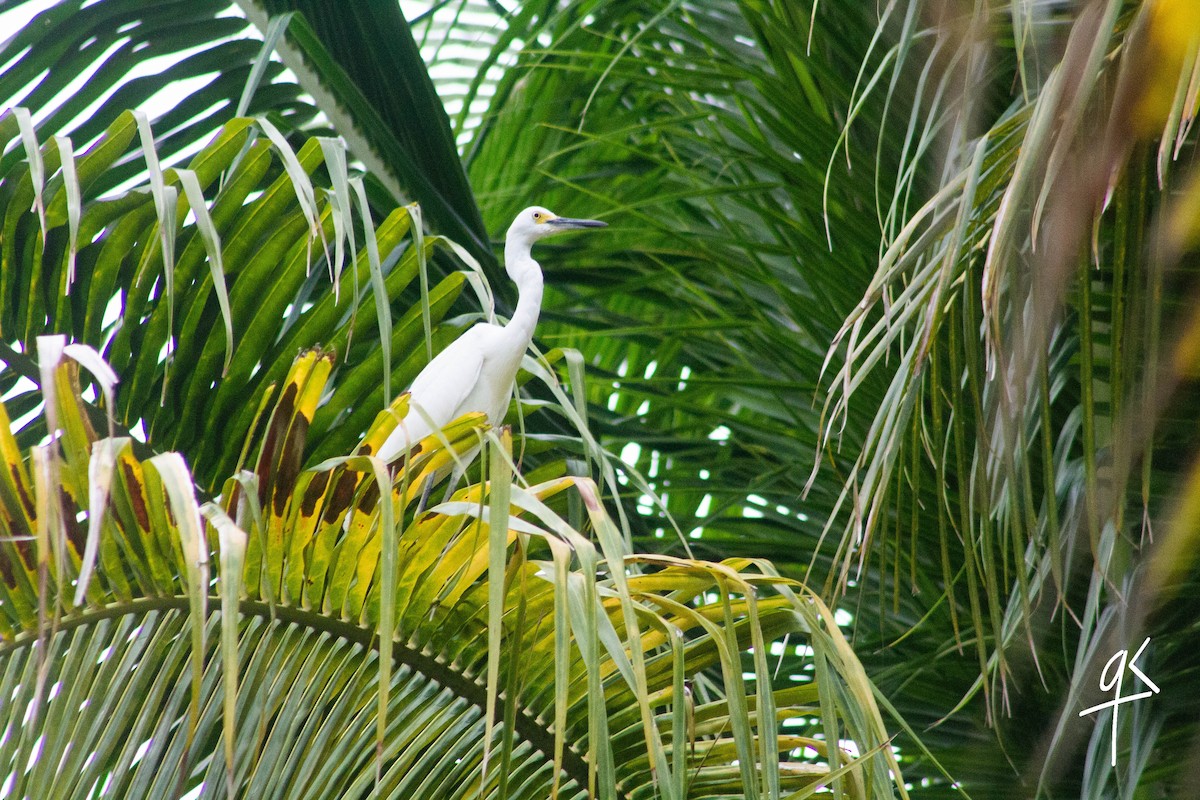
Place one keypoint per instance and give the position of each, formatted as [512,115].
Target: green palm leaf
[1018,315]
[183,375]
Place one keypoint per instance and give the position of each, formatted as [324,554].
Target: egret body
[476,372]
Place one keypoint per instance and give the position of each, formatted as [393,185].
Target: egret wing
[442,390]
[444,385]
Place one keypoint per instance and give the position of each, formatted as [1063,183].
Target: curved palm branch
[512,659]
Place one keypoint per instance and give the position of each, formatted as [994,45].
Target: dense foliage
[900,296]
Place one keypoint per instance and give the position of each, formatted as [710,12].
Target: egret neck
[527,275]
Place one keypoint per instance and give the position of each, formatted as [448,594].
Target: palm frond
[650,693]
[170,338]
[1019,315]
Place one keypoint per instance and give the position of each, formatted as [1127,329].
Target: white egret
[476,372]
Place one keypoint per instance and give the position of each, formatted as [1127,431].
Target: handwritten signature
[1108,683]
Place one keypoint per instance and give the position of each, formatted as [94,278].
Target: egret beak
[568,224]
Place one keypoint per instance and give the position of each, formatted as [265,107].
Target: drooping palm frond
[260,264]
[513,657]
[1030,436]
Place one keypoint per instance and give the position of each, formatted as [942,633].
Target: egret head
[536,223]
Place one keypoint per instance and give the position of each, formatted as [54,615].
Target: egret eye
[537,216]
